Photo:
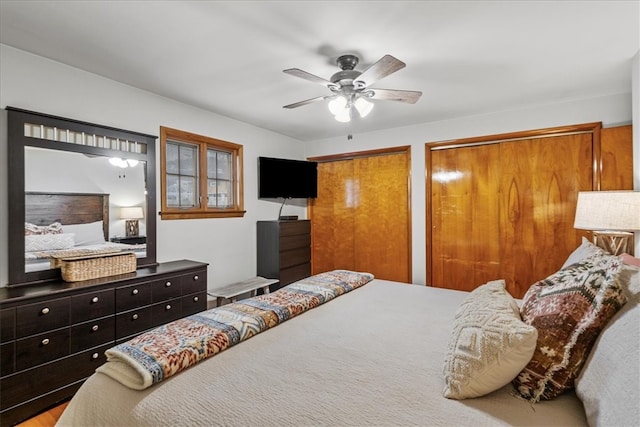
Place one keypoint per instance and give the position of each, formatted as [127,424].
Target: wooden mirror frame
[17,141]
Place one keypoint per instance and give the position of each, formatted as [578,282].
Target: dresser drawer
[290,228]
[133,296]
[295,257]
[7,358]
[195,282]
[43,316]
[194,303]
[166,289]
[92,305]
[41,348]
[7,324]
[133,322]
[166,311]
[29,384]
[92,334]
[293,242]
[293,274]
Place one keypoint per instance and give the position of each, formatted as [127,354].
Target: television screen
[286,178]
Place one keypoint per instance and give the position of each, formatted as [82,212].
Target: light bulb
[337,104]
[344,116]
[363,106]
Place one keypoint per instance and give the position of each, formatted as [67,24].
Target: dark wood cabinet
[284,250]
[54,334]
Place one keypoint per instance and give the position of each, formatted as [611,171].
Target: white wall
[228,245]
[610,110]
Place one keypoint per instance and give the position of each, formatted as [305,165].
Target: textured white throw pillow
[48,242]
[490,344]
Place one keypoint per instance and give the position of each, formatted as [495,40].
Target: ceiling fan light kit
[350,88]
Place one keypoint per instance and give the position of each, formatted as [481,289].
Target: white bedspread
[371,357]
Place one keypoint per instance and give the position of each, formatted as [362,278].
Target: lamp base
[132,227]
[614,242]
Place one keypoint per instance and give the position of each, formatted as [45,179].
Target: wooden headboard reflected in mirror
[59,171]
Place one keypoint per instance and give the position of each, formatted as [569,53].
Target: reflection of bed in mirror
[68,224]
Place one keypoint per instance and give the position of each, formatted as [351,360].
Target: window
[201,176]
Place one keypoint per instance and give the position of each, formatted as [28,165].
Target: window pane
[211,163]
[173,165]
[224,165]
[212,199]
[172,191]
[188,192]
[225,194]
[188,160]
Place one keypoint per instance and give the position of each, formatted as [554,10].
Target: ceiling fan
[351,90]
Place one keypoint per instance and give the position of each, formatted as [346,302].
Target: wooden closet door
[382,217]
[539,182]
[361,218]
[332,217]
[465,236]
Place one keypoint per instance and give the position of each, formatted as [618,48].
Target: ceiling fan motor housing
[347,63]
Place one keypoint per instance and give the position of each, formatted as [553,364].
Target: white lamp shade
[608,211]
[337,105]
[134,212]
[363,106]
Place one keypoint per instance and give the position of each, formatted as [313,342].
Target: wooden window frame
[202,210]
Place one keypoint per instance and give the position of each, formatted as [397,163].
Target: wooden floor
[46,419]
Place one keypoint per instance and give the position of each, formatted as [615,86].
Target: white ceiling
[467,57]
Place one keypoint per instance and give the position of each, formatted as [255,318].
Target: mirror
[65,171]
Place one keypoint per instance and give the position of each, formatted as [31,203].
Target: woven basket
[58,256]
[75,269]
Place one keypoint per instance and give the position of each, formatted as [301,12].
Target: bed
[59,224]
[371,356]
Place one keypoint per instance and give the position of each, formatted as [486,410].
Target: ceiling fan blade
[385,66]
[307,101]
[409,96]
[308,76]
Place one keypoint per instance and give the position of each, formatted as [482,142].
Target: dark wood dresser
[54,335]
[284,250]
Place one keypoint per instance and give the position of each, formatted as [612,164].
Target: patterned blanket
[162,352]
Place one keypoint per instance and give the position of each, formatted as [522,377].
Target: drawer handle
[196,299]
[134,292]
[45,341]
[94,300]
[45,310]
[95,356]
[94,328]
[195,277]
[168,307]
[167,284]
[134,317]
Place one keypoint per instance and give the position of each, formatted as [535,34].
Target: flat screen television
[287,178]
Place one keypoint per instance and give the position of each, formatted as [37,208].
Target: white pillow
[48,242]
[489,345]
[608,383]
[86,234]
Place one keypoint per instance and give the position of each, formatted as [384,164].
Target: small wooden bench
[232,290]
